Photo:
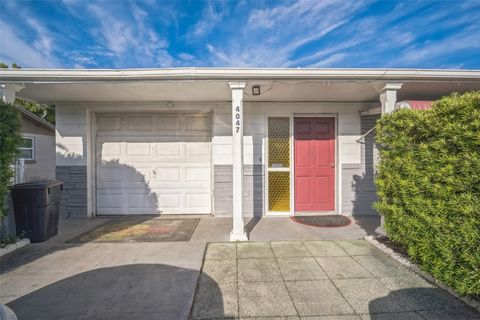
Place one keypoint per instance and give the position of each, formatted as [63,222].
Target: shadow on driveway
[420,303]
[136,291]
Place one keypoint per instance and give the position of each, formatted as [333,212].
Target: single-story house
[36,160]
[227,142]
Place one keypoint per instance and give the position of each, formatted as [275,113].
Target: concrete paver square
[369,296]
[264,299]
[340,317]
[273,318]
[392,316]
[284,249]
[254,250]
[419,294]
[258,270]
[358,247]
[215,300]
[300,269]
[343,267]
[452,314]
[221,250]
[381,266]
[221,271]
[319,297]
[324,249]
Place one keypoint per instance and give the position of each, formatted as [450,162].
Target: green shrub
[428,185]
[10,140]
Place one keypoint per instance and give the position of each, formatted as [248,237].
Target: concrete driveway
[59,280]
[344,279]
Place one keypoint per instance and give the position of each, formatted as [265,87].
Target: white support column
[9,90]
[388,98]
[238,232]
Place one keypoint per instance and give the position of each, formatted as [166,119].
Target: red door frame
[333,195]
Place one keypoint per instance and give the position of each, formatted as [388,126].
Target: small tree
[10,140]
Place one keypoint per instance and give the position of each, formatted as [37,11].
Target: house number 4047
[237,119]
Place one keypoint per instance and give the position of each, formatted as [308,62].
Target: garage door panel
[195,149]
[197,174]
[197,123]
[169,201]
[139,123]
[199,200]
[169,149]
[153,163]
[137,175]
[167,175]
[138,149]
[109,123]
[168,123]
[110,149]
[141,201]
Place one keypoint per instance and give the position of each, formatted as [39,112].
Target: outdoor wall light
[256,90]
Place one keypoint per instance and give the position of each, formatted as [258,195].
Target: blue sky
[326,33]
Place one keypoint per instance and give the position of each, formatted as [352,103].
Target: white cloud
[415,54]
[273,36]
[44,41]
[130,38]
[15,49]
[211,16]
[305,9]
[82,59]
[186,56]
[328,62]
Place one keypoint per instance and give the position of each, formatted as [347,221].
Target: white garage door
[153,163]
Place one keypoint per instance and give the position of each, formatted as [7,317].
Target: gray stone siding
[358,186]
[74,194]
[252,193]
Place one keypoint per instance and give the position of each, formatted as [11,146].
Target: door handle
[332,165]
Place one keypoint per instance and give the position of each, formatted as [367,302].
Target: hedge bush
[428,185]
[10,139]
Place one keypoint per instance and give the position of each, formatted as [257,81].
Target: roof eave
[114,75]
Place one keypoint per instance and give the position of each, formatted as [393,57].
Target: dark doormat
[140,230]
[324,221]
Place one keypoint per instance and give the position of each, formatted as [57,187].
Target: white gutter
[89,75]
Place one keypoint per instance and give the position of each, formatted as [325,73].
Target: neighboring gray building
[38,148]
[38,154]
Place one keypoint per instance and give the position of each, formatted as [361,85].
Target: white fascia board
[94,75]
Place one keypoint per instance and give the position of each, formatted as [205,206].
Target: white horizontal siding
[70,136]
[348,133]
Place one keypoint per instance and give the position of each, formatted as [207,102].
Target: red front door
[314,164]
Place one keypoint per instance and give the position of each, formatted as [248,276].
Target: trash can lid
[37,184]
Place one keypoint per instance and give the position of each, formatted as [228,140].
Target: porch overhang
[211,84]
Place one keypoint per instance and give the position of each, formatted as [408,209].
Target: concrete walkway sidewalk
[345,279]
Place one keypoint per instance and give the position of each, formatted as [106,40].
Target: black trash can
[36,206]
